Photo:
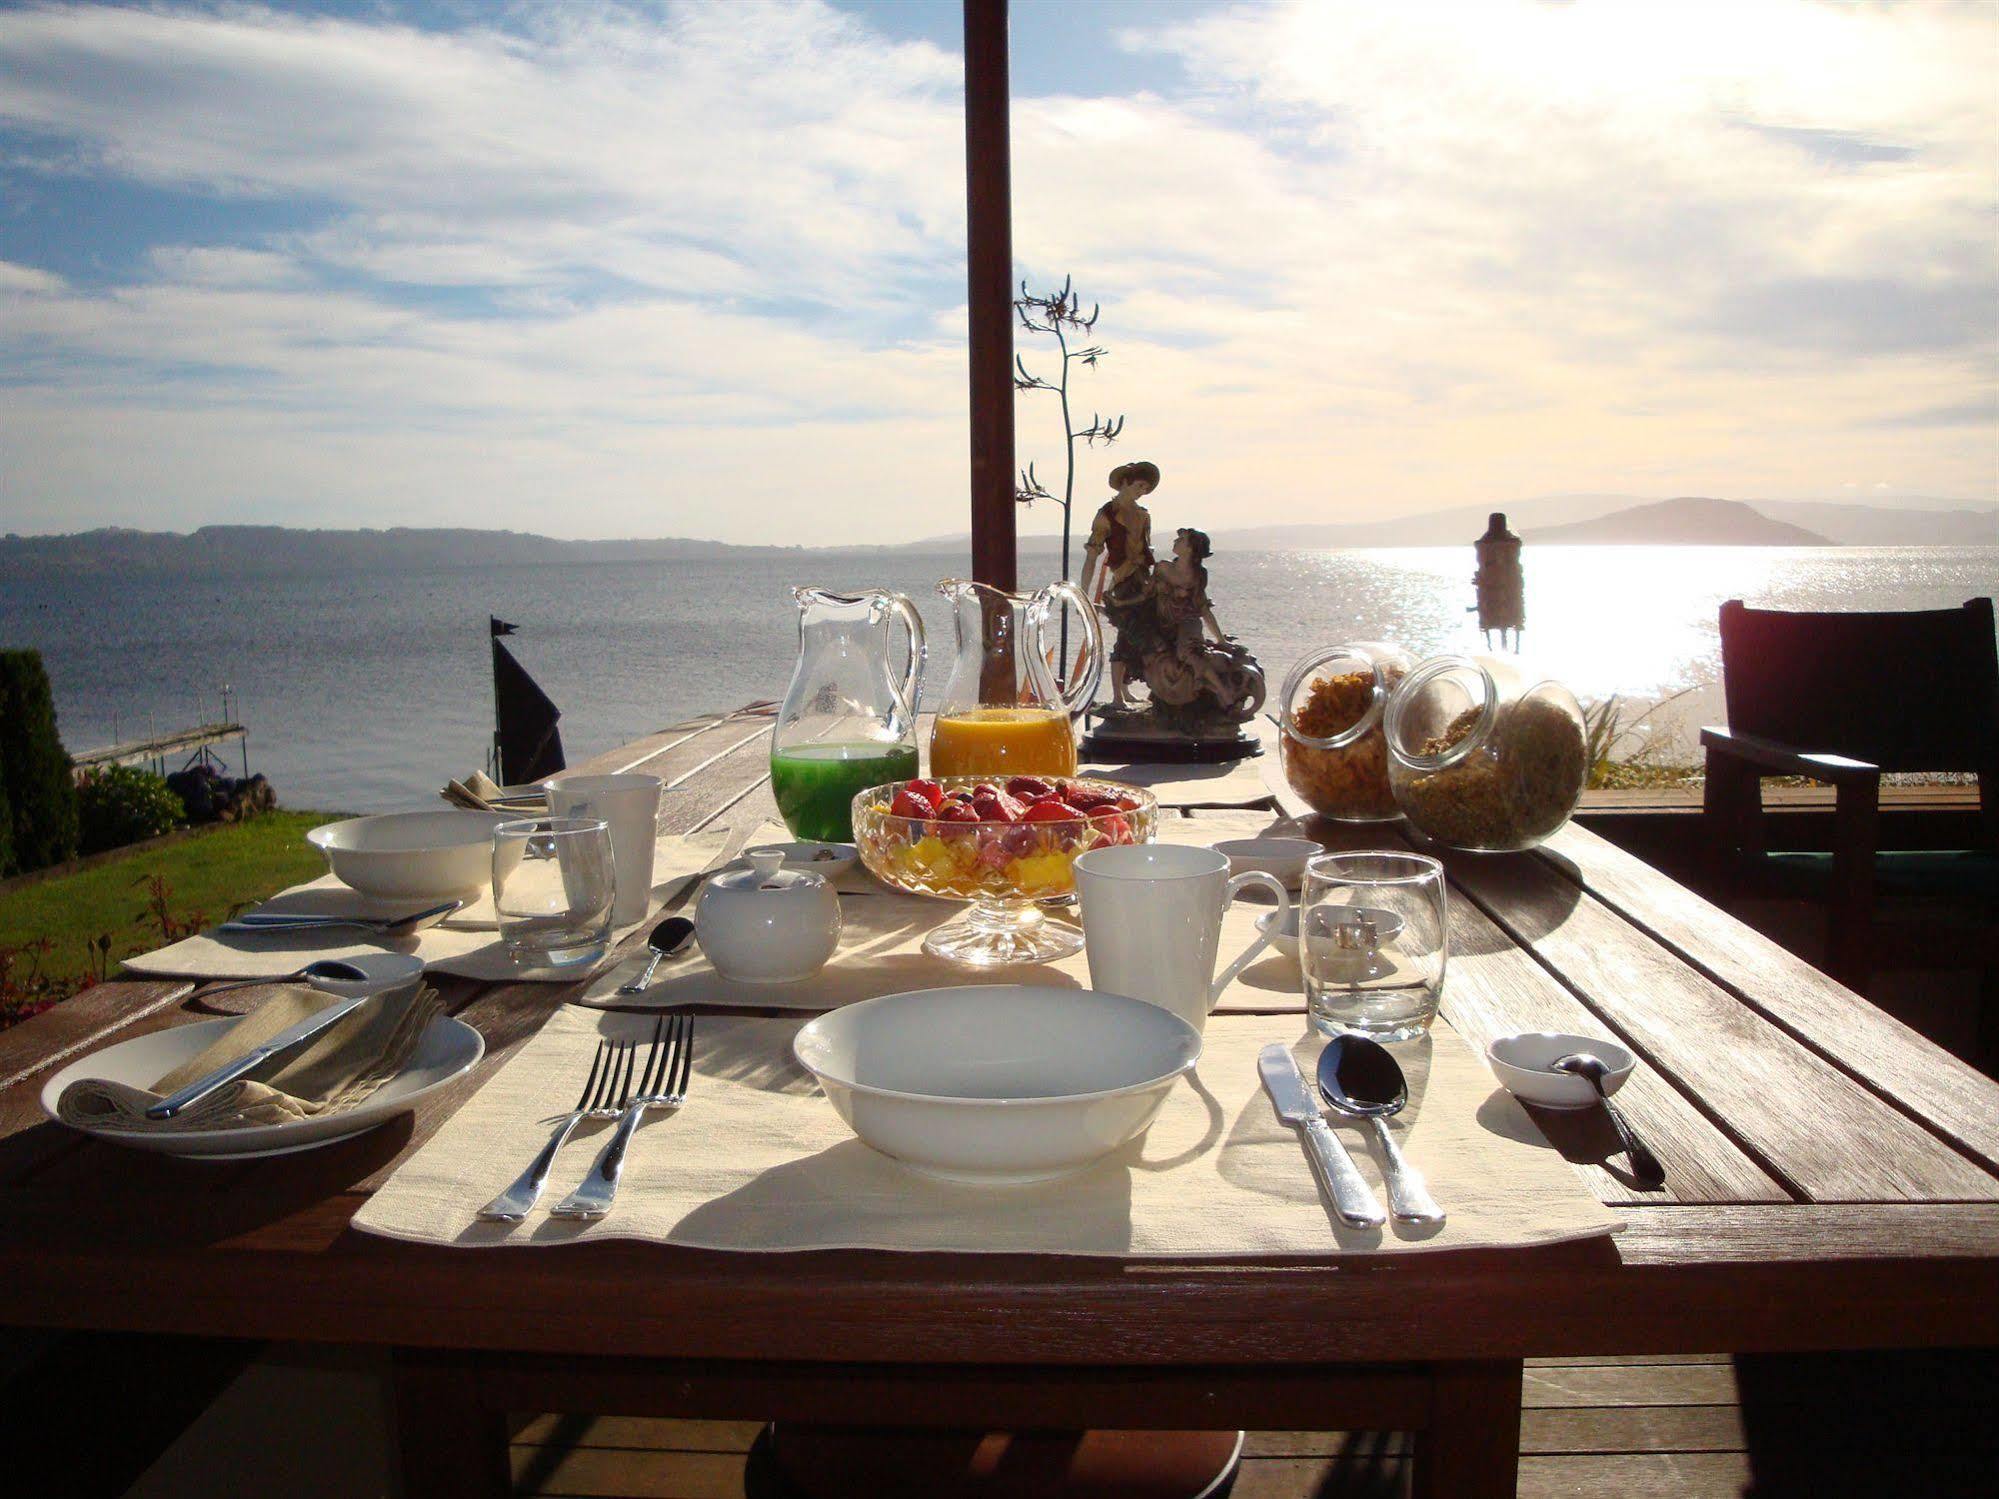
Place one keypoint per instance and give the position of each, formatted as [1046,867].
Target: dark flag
[525,738]
[499,626]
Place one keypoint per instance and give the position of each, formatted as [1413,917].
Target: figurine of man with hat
[1117,570]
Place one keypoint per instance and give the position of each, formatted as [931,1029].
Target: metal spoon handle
[640,984]
[1409,1196]
[1353,1199]
[1644,1165]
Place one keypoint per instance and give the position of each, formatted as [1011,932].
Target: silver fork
[600,1099]
[664,1086]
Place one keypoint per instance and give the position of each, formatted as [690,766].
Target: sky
[645,269]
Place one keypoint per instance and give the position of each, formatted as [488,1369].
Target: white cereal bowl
[1525,1064]
[1285,858]
[412,855]
[997,1083]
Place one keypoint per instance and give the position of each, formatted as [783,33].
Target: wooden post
[989,290]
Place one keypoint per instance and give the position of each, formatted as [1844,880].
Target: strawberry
[957,812]
[1029,788]
[996,806]
[1051,809]
[930,791]
[908,804]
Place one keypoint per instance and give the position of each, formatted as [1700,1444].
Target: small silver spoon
[1359,1077]
[1590,1067]
[668,938]
[330,970]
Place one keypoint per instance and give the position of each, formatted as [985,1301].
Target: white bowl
[1285,858]
[1284,936]
[998,1083]
[412,855]
[447,1049]
[828,860]
[1524,1064]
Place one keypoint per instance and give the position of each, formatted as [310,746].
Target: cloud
[697,268]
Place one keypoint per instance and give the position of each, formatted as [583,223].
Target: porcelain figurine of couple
[1201,686]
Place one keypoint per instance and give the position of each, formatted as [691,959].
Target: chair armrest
[1773,758]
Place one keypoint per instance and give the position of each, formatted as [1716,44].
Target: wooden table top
[1833,1181]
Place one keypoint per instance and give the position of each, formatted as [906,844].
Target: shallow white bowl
[997,1083]
[1522,1063]
[1284,936]
[1285,858]
[827,860]
[412,855]
[448,1049]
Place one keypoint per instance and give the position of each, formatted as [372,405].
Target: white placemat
[758,1160]
[466,945]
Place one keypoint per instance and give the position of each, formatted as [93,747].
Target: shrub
[34,767]
[121,804]
[6,832]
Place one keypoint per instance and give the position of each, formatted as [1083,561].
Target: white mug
[1152,919]
[630,805]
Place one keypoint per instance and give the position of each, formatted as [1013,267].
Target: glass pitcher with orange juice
[1005,710]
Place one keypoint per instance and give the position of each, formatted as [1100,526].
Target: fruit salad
[967,838]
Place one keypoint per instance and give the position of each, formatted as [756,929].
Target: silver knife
[284,1040]
[1355,1201]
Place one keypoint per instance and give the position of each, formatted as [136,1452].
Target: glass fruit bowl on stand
[1004,845]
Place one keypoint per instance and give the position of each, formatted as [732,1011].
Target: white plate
[448,1049]
[1285,858]
[997,1083]
[1521,1062]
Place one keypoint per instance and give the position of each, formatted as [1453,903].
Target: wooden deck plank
[1580,1386]
[1632,1428]
[1888,1057]
[1766,1089]
[1666,1475]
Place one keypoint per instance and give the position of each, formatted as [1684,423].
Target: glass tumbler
[1372,940]
[553,884]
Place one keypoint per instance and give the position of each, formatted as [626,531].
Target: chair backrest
[1907,691]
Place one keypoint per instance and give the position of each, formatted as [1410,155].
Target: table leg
[450,1444]
[1471,1447]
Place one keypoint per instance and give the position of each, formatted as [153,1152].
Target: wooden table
[1833,1182]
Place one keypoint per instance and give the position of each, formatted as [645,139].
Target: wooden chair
[1843,698]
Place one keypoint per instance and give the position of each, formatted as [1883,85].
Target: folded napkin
[334,1071]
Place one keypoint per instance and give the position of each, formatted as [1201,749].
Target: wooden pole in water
[989,290]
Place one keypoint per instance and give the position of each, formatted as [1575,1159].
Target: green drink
[815,784]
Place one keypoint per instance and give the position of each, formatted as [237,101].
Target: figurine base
[1136,737]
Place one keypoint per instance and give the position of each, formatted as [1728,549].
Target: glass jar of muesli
[1331,744]
[1484,753]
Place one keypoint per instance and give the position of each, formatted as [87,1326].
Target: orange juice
[1003,742]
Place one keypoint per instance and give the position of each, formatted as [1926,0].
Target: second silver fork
[663,1086]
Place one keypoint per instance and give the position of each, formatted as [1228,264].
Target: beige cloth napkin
[468,945]
[881,951]
[758,1160]
[330,1073]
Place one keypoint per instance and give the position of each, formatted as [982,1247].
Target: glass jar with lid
[1332,746]
[1485,753]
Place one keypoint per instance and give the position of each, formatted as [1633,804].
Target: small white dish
[767,924]
[827,860]
[448,1049]
[1284,858]
[997,1083]
[1284,935]
[1525,1064]
[412,856]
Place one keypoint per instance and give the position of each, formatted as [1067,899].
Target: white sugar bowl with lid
[767,924]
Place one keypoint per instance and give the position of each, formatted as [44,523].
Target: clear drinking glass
[553,885]
[1373,941]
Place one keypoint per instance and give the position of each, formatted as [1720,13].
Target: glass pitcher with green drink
[847,722]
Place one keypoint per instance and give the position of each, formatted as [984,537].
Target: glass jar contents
[1334,752]
[1483,754]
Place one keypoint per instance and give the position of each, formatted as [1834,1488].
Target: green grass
[210,873]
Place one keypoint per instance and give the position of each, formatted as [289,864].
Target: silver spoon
[1359,1078]
[324,969]
[1644,1165]
[668,938]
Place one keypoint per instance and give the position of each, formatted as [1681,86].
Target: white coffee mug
[1152,920]
[630,805]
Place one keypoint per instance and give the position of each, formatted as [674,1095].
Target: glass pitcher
[1005,711]
[847,722]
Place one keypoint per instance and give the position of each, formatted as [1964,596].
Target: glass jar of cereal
[1331,744]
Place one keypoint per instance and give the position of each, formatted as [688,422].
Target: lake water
[366,693]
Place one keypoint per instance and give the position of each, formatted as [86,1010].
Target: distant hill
[1882,526]
[1688,521]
